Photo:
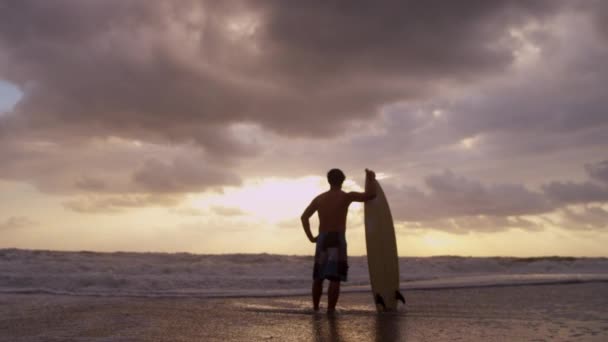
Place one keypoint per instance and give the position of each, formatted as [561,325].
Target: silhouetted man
[330,254]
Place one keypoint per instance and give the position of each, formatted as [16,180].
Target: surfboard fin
[399,296]
[380,301]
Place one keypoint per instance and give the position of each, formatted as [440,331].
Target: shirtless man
[330,253]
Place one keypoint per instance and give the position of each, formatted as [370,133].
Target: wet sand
[576,312]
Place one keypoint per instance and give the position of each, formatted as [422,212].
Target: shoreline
[451,283]
[533,258]
[541,312]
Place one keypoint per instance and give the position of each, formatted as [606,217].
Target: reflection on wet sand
[379,327]
[325,328]
[387,327]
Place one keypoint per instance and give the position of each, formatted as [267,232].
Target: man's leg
[332,295]
[317,291]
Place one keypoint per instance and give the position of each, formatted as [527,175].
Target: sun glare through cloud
[271,199]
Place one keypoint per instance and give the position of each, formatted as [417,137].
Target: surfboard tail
[399,296]
[380,301]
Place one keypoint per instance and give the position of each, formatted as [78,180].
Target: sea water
[257,275]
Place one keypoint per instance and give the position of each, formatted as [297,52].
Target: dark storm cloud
[186,70]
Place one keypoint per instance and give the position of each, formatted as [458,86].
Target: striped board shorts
[330,257]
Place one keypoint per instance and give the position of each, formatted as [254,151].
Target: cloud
[530,119]
[90,184]
[458,204]
[222,223]
[181,175]
[182,71]
[598,171]
[189,211]
[16,222]
[227,211]
[599,9]
[480,223]
[113,166]
[450,195]
[293,224]
[589,218]
[210,211]
[111,204]
[136,104]
[565,193]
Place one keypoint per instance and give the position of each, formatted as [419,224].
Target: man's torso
[332,210]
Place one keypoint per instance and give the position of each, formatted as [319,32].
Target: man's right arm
[310,210]
[370,189]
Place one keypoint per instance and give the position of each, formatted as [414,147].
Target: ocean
[166,275]
[95,297]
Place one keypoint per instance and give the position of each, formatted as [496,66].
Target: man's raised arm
[370,188]
[312,207]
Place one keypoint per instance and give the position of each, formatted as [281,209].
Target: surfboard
[382,257]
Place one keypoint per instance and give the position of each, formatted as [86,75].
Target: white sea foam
[192,275]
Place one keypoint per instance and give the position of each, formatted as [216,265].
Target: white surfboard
[382,257]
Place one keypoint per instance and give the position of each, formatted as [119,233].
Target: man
[330,253]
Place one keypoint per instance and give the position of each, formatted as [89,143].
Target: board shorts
[330,257]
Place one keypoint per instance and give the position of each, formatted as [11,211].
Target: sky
[208,126]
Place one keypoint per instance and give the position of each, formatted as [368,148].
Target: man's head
[335,177]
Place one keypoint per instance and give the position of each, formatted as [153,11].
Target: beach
[563,312]
[189,170]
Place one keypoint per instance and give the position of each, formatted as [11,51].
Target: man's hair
[335,177]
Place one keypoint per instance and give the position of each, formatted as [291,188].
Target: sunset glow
[271,199]
[209,126]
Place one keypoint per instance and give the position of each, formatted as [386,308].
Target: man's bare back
[332,207]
